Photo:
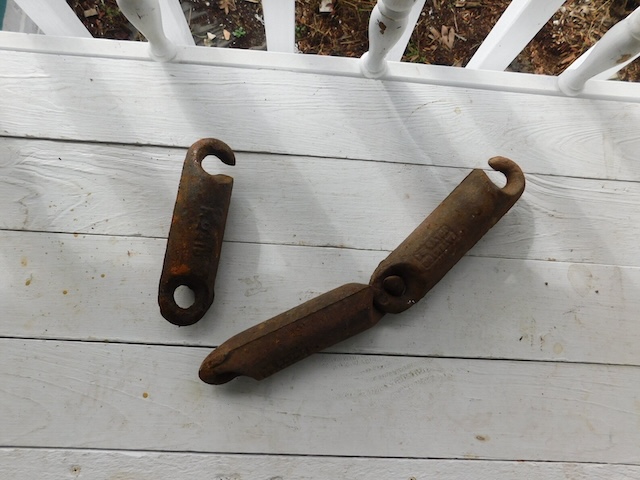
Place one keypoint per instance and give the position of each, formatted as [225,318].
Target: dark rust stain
[195,237]
[383,27]
[399,282]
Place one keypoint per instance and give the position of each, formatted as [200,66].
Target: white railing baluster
[16,20]
[388,22]
[54,17]
[514,30]
[145,16]
[174,23]
[395,54]
[618,45]
[280,25]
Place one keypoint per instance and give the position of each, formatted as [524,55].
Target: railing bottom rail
[321,65]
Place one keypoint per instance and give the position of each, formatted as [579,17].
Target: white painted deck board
[484,307]
[120,190]
[527,350]
[50,464]
[79,394]
[337,117]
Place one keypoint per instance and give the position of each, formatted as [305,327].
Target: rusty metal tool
[195,237]
[399,282]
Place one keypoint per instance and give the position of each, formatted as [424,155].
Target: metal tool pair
[398,283]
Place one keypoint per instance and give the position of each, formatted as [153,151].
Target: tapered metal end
[214,371]
[270,346]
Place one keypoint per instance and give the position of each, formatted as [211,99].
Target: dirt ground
[448,32]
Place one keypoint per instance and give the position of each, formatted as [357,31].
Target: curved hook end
[511,170]
[212,146]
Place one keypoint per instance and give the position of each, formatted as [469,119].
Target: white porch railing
[392,21]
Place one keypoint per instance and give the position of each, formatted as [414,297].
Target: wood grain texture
[57,464]
[523,356]
[120,190]
[105,289]
[89,395]
[142,102]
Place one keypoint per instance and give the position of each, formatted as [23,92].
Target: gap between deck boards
[49,464]
[63,285]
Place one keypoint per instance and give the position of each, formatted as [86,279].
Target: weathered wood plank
[50,464]
[320,115]
[105,288]
[120,190]
[79,394]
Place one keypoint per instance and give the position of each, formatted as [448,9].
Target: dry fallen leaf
[326,6]
[227,34]
[450,38]
[227,5]
[446,36]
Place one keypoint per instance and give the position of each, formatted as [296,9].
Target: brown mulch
[448,32]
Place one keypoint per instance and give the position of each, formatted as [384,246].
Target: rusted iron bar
[291,336]
[195,238]
[399,282]
[442,239]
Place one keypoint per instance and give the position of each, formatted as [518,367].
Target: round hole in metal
[184,296]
